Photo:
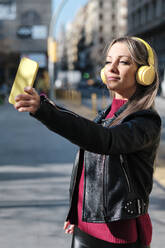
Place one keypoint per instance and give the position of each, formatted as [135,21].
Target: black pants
[83,240]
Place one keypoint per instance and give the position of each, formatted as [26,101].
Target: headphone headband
[149,50]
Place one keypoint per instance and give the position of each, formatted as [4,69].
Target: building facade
[75,32]
[146,19]
[94,27]
[23,32]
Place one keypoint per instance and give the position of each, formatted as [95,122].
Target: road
[35,167]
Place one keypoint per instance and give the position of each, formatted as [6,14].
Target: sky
[68,12]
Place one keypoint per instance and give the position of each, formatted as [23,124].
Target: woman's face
[120,70]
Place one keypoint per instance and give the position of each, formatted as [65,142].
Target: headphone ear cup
[102,74]
[145,75]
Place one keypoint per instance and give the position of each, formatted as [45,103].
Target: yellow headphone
[145,75]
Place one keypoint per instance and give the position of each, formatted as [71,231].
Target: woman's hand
[68,227]
[29,102]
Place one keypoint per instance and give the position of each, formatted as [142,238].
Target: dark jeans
[83,240]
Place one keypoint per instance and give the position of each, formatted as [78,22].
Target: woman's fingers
[28,102]
[71,229]
[22,97]
[66,224]
[68,227]
[27,109]
[30,90]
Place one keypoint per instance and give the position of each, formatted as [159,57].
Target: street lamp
[52,46]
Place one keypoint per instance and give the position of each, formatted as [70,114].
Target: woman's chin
[111,87]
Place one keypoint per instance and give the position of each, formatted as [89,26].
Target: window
[100,4]
[146,13]
[7,10]
[163,5]
[133,21]
[113,16]
[113,30]
[101,40]
[153,6]
[30,18]
[138,18]
[113,4]
[101,16]
[100,28]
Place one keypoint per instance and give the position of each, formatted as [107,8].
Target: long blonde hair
[144,96]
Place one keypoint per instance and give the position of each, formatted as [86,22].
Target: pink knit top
[122,231]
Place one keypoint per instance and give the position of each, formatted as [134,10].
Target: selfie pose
[112,176]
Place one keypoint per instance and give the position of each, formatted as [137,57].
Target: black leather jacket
[118,160]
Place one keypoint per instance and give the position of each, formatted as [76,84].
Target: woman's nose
[113,67]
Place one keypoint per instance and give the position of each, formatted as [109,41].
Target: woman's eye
[108,62]
[124,62]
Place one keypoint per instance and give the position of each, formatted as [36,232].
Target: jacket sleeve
[134,134]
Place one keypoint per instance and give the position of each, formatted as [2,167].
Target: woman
[113,173]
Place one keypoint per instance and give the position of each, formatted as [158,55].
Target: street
[35,168]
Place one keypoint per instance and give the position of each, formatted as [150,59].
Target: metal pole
[52,34]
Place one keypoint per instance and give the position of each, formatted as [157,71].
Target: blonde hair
[144,96]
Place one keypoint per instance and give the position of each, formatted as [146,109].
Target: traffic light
[86,75]
[52,49]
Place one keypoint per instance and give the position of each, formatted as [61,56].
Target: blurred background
[68,39]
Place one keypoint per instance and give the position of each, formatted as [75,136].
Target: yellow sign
[52,50]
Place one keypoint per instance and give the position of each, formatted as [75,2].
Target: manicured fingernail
[27,88]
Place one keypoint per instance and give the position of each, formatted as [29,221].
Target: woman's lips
[113,78]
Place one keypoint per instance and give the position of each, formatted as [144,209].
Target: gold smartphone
[25,76]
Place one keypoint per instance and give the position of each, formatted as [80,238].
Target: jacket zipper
[104,188]
[67,111]
[58,107]
[125,173]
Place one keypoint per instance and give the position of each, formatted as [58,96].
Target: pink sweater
[123,231]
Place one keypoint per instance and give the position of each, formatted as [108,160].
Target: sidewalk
[160,163]
[160,106]
[35,179]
